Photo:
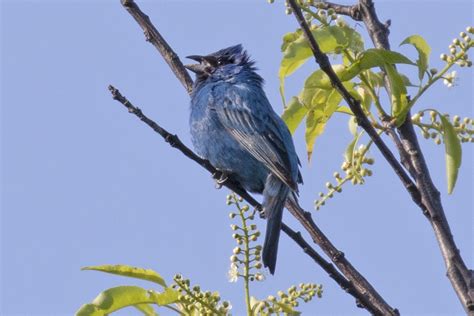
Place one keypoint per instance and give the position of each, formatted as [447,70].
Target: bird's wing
[249,118]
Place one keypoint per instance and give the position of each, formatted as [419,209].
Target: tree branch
[462,278]
[153,36]
[175,142]
[364,293]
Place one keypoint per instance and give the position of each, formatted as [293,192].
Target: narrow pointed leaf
[129,271]
[399,94]
[294,114]
[453,152]
[424,51]
[375,57]
[315,124]
[349,153]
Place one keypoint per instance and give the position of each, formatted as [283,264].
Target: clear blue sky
[86,183]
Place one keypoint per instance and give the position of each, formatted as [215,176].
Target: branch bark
[411,155]
[355,284]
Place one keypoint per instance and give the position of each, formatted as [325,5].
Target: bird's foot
[221,177]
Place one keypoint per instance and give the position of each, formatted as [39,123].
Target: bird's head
[226,60]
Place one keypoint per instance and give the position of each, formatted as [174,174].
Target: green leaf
[399,94]
[169,296]
[375,57]
[296,50]
[375,78]
[315,123]
[129,271]
[453,152]
[146,309]
[116,298]
[120,297]
[319,80]
[89,310]
[353,125]
[294,114]
[349,153]
[344,109]
[424,51]
[364,97]
[407,82]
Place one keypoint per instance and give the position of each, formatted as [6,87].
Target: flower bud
[433,71]
[444,57]
[259,277]
[470,29]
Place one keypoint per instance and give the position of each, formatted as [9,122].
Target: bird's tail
[274,197]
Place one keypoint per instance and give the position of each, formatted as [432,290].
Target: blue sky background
[86,183]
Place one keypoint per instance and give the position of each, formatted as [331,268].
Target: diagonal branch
[348,286]
[153,36]
[323,61]
[462,279]
[411,155]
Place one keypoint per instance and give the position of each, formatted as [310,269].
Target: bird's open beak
[206,63]
[196,68]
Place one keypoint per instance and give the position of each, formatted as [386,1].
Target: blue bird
[234,127]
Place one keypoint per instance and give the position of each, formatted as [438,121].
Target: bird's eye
[220,62]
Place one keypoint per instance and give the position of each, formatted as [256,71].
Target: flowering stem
[198,299]
[438,76]
[246,274]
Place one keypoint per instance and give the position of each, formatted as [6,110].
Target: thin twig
[175,142]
